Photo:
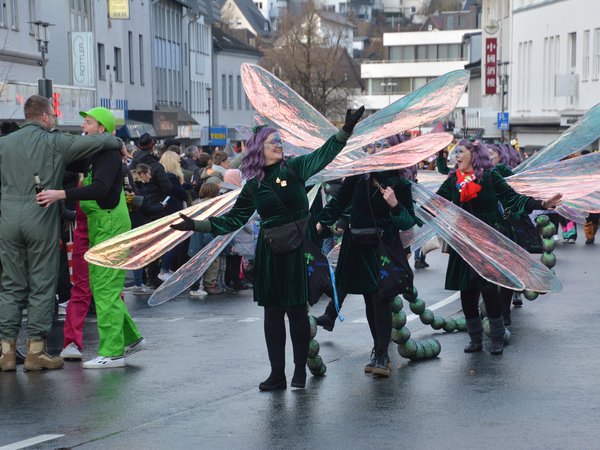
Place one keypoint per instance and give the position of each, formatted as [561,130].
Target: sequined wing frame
[493,256]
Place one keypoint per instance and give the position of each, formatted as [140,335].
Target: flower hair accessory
[257,128]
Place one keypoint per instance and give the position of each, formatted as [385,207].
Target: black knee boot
[475,330]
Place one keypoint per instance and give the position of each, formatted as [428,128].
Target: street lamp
[386,89]
[42,36]
[208,92]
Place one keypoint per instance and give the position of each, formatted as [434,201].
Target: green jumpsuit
[30,235]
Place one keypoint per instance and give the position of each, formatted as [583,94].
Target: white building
[413,59]
[548,65]
[230,106]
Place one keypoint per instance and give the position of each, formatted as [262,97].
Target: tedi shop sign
[82,59]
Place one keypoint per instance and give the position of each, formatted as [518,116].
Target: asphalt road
[196,386]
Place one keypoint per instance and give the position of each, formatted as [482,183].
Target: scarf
[465,183]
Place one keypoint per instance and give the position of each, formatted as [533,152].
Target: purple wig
[501,151]
[514,157]
[254,161]
[481,161]
[410,173]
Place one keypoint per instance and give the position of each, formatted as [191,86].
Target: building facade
[413,59]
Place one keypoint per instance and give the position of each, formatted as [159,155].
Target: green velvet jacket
[459,275]
[357,271]
[280,279]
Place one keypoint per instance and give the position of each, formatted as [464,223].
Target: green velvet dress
[459,275]
[357,271]
[280,279]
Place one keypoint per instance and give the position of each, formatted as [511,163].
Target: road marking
[433,307]
[33,441]
[211,320]
[177,319]
[249,320]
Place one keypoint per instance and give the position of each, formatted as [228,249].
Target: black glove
[352,119]
[186,225]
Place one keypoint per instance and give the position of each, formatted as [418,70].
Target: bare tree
[441,5]
[312,59]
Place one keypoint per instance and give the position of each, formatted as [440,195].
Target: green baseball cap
[103,116]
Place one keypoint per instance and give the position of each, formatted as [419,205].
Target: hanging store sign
[118,9]
[491,66]
[82,57]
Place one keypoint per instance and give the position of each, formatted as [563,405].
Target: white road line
[249,320]
[177,319]
[33,441]
[433,307]
[212,320]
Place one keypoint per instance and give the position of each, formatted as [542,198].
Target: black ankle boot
[276,381]
[497,333]
[475,330]
[382,365]
[473,347]
[326,322]
[299,378]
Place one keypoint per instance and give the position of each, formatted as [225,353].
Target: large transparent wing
[191,271]
[401,155]
[574,178]
[578,136]
[136,248]
[493,256]
[303,126]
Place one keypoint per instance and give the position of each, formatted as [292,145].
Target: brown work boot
[38,359]
[8,360]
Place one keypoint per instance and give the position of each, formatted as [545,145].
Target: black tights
[379,316]
[275,334]
[469,299]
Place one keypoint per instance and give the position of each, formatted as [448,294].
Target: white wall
[228,64]
[531,77]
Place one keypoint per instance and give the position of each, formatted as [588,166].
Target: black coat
[159,187]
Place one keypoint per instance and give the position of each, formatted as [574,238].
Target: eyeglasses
[277,142]
[54,116]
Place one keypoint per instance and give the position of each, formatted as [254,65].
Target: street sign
[503,121]
[218,136]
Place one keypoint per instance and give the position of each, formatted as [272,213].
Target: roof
[436,21]
[254,17]
[335,18]
[223,42]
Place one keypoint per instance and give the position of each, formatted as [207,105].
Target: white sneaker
[129,288]
[71,352]
[137,346]
[199,293]
[104,362]
[164,276]
[142,290]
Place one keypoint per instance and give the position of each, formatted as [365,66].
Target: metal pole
[502,103]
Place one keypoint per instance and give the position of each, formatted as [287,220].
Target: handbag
[366,237]
[319,274]
[286,238]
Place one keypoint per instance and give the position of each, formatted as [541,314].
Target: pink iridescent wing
[493,256]
[303,126]
[578,136]
[399,156]
[136,248]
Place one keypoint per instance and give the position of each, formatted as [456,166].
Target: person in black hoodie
[158,189]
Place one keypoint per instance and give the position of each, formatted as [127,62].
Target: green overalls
[116,328]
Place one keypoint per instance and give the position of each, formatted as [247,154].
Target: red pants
[81,296]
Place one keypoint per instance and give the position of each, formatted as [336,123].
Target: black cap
[171,141]
[146,141]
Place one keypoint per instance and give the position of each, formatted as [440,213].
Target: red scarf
[465,183]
